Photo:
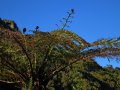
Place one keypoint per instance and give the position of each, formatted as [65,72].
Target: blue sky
[93,19]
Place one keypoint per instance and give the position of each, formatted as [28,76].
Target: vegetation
[9,24]
[57,60]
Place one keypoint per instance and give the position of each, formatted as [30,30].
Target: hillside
[88,76]
[8,24]
[82,75]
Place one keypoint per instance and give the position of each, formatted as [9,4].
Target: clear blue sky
[93,19]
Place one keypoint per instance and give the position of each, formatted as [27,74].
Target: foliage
[42,56]
[8,24]
[66,21]
[81,78]
[52,60]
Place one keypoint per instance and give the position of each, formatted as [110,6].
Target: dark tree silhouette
[36,28]
[24,30]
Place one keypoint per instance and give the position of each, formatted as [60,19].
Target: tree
[33,60]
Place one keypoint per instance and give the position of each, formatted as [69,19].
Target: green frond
[104,48]
[79,41]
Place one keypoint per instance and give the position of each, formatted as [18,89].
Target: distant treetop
[8,24]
